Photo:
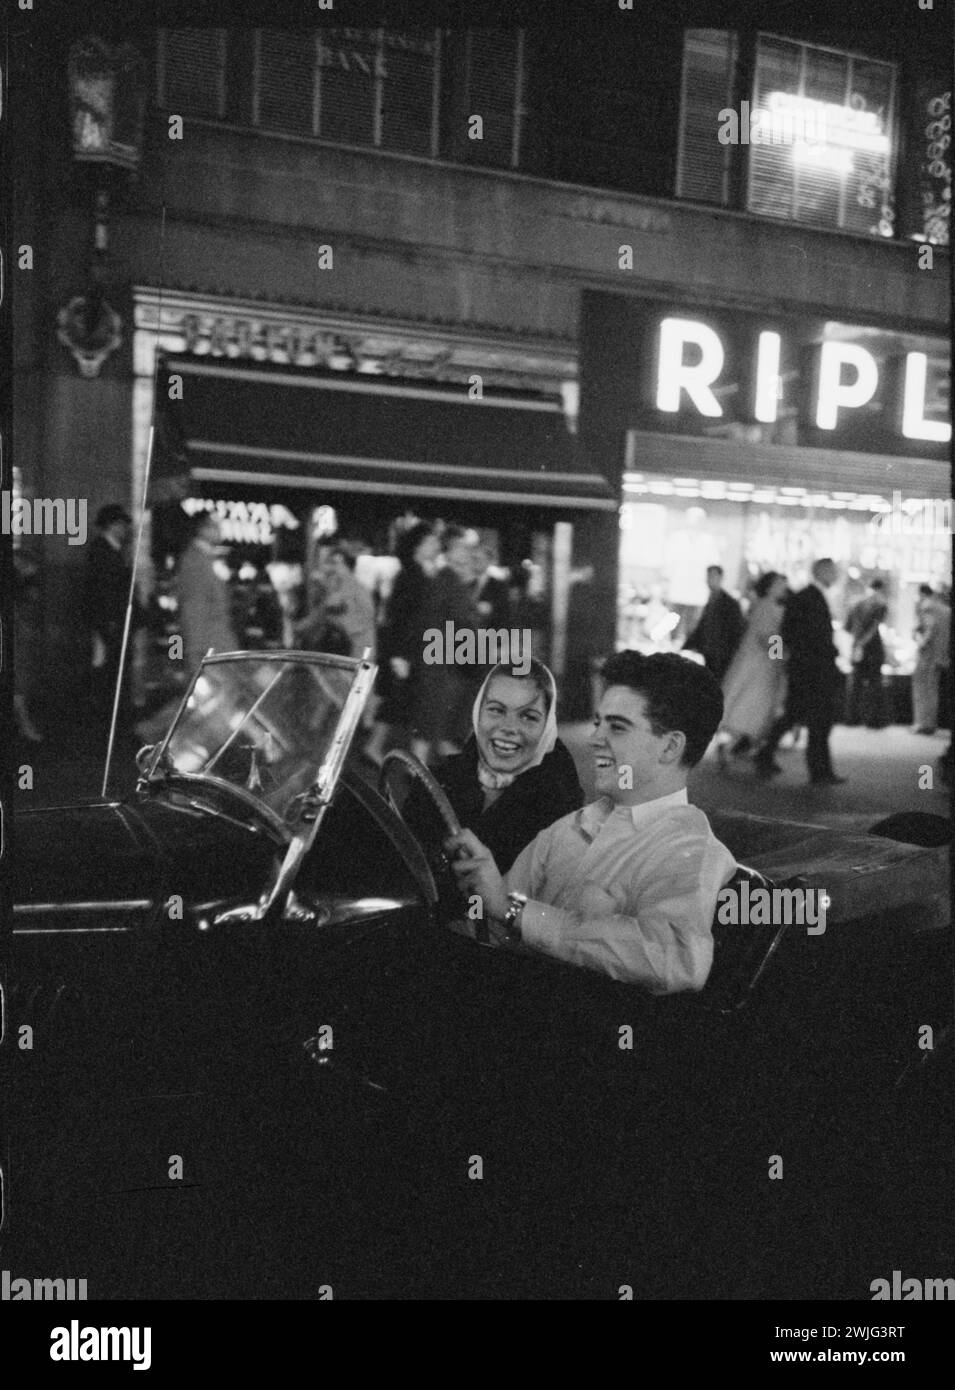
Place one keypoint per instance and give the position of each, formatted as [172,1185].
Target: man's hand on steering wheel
[477,874]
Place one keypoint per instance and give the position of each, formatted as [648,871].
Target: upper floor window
[811,135]
[830,119]
[430,92]
[190,71]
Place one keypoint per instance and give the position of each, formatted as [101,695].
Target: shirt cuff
[542,925]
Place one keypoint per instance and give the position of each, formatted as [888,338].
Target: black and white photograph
[476,520]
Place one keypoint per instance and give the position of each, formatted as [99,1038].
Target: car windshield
[266,724]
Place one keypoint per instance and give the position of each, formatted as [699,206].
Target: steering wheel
[448,890]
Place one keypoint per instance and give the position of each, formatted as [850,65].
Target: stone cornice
[265,331]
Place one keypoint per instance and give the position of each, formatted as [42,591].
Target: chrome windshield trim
[104,905]
[322,789]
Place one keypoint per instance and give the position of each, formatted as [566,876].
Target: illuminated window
[822,148]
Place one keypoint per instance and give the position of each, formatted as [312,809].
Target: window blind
[191,71]
[709,61]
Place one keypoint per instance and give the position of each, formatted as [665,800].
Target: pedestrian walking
[863,623]
[205,616]
[107,594]
[26,645]
[812,677]
[932,633]
[754,686]
[445,689]
[347,602]
[719,628]
[400,637]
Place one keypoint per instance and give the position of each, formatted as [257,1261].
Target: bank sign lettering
[690,359]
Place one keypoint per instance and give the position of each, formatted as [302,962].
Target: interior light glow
[823,157]
[824,123]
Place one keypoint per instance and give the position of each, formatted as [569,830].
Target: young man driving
[628,884]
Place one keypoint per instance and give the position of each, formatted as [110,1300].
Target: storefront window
[672,528]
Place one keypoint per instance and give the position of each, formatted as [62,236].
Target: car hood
[133,852]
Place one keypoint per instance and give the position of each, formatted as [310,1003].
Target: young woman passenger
[514,776]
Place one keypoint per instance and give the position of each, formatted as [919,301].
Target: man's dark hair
[409,540]
[877,584]
[195,523]
[765,582]
[452,534]
[926,591]
[343,548]
[715,569]
[681,695]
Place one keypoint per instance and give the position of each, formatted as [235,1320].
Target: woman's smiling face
[510,723]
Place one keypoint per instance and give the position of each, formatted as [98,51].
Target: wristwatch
[512,918]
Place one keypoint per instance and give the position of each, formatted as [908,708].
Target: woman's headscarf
[488,778]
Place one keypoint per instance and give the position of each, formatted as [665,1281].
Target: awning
[281,426]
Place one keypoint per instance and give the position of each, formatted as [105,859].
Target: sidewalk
[884,767]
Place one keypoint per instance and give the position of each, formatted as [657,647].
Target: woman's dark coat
[402,635]
[533,801]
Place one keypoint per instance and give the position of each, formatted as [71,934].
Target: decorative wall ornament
[91,329]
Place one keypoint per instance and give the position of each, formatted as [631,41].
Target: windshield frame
[298,835]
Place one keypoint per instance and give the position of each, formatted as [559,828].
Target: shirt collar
[595,813]
[648,810]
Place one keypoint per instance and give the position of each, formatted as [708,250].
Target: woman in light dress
[754,687]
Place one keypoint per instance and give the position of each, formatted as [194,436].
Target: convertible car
[257,1047]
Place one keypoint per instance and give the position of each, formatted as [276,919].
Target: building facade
[358,273]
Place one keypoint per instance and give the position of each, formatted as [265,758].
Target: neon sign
[846,378]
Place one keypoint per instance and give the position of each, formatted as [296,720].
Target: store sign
[245,523]
[690,358]
[760,377]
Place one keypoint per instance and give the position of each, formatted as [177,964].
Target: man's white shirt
[666,864]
